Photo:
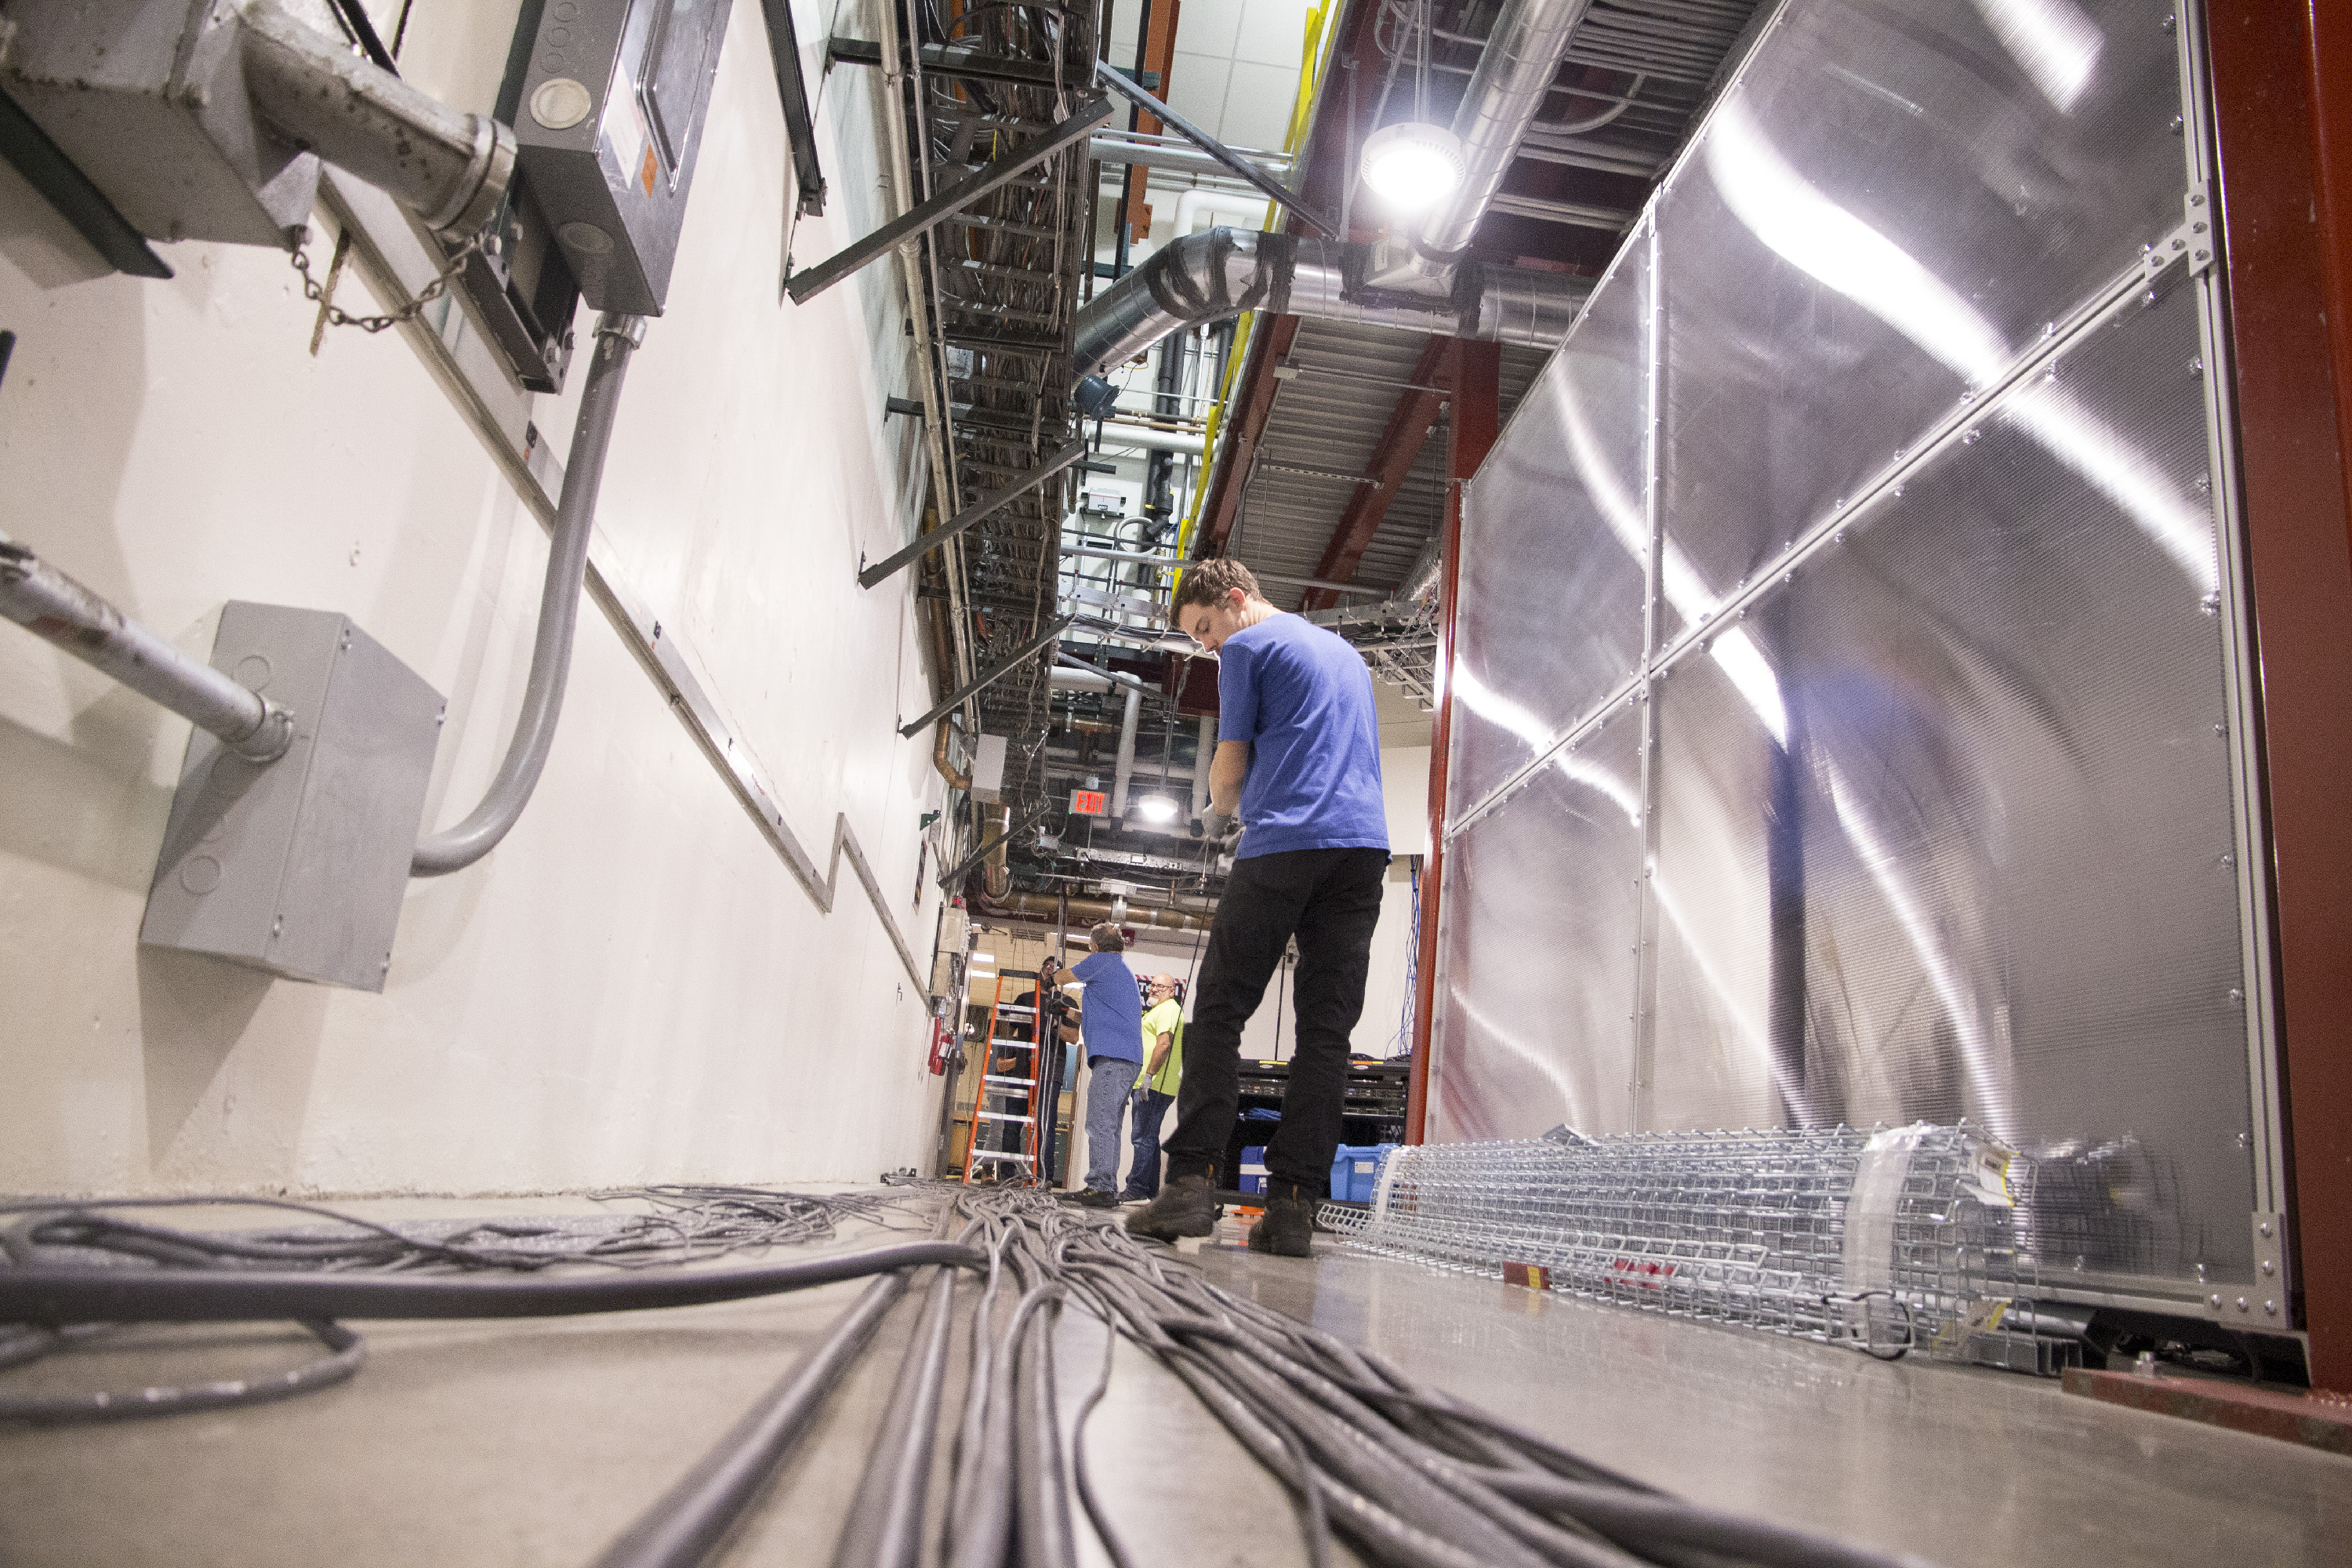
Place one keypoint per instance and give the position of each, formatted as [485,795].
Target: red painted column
[1470,434]
[2283,172]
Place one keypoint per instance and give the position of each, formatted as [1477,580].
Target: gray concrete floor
[536,1443]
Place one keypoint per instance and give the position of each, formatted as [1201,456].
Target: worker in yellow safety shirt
[1163,1069]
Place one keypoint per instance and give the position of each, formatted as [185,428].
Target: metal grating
[1902,1238]
[1003,280]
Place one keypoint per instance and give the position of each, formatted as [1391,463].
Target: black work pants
[1329,899]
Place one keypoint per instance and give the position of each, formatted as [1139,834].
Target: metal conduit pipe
[50,604]
[452,168]
[1188,915]
[1221,272]
[617,337]
[1514,74]
[1122,772]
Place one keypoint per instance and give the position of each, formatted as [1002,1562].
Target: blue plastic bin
[1356,1171]
[1253,1173]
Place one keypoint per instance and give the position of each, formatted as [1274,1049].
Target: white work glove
[1215,825]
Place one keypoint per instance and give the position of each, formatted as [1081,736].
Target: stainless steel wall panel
[1986,730]
[1538,972]
[1554,534]
[1935,747]
[1895,201]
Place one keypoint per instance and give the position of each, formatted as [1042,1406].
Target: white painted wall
[633,987]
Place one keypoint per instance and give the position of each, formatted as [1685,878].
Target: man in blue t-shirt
[1298,760]
[1110,1018]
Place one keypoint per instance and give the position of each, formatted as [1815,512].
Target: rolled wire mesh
[1897,1238]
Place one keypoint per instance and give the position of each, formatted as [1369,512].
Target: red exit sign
[1090,803]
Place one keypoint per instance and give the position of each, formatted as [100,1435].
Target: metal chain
[316,292]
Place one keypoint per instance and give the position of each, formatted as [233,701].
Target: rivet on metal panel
[2195,366]
[2216,1299]
[2169,21]
[2237,997]
[2268,1267]
[2211,603]
[2241,1303]
[1969,437]
[2264,1228]
[2272,1307]
[2175,126]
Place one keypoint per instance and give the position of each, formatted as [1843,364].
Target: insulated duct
[1218,274]
[1514,73]
[995,876]
[1123,767]
[1189,915]
[1433,288]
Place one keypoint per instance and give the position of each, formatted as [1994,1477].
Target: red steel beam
[2271,79]
[1477,423]
[1392,458]
[2331,96]
[1252,401]
[1323,162]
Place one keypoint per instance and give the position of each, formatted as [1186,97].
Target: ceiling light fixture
[1156,808]
[1412,166]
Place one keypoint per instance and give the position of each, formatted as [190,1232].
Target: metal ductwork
[1220,273]
[1190,915]
[1429,287]
[1507,90]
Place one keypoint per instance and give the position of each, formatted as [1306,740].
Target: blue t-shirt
[1112,1018]
[1303,699]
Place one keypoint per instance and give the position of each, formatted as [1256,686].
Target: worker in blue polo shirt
[1110,1016]
[1298,761]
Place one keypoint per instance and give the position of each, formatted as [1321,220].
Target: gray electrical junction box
[298,866]
[608,124]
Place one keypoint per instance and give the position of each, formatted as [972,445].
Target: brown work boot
[1288,1228]
[1185,1206]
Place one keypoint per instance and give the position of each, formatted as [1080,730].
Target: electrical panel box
[987,767]
[298,866]
[612,106]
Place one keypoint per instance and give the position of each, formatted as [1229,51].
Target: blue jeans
[1143,1175]
[1106,1098]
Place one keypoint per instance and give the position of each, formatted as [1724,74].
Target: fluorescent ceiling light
[983,958]
[1412,167]
[1156,808]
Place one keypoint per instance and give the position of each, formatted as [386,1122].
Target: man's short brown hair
[1208,583]
[1107,938]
